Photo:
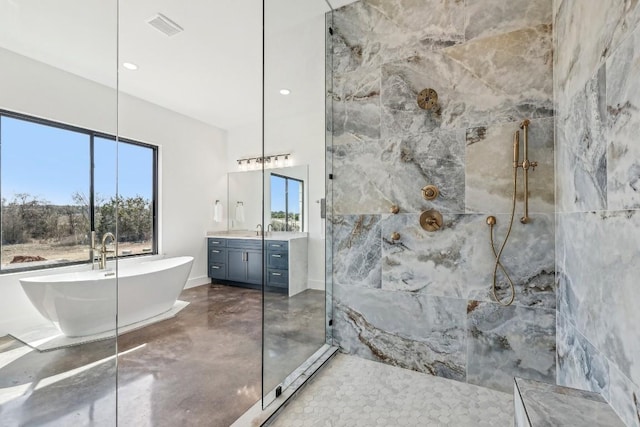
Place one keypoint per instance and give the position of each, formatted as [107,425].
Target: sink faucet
[269,229]
[104,251]
[258,229]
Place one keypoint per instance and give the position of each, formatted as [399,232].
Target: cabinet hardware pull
[215,242]
[215,267]
[277,256]
[276,274]
[216,252]
[276,246]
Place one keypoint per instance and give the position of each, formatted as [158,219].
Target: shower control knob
[430,192]
[431,220]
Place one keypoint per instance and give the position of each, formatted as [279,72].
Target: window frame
[92,134]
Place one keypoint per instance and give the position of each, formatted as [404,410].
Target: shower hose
[497,254]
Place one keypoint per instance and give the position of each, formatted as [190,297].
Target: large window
[58,184]
[287,197]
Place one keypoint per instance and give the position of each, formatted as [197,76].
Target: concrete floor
[201,368]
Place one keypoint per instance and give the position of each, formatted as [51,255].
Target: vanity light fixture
[272,161]
[130,66]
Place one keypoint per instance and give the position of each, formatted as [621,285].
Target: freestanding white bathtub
[84,303]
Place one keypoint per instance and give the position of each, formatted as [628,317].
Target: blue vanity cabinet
[217,258]
[277,255]
[244,261]
[241,261]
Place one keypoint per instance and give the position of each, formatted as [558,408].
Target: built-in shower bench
[538,404]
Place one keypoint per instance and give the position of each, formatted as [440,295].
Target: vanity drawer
[278,260]
[245,243]
[277,245]
[218,271]
[218,255]
[213,242]
[278,278]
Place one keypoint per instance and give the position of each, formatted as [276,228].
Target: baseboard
[197,281]
[316,284]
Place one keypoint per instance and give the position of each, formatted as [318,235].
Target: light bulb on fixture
[276,162]
[287,160]
[285,91]
[130,66]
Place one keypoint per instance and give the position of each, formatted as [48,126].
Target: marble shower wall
[597,95]
[424,302]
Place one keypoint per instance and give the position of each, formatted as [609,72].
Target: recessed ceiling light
[285,91]
[130,66]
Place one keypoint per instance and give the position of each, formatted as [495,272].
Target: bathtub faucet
[104,250]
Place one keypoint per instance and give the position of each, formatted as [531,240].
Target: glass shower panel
[294,123]
[58,92]
[327,206]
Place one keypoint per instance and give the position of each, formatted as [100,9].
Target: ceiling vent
[164,25]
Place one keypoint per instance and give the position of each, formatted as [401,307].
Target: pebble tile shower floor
[352,392]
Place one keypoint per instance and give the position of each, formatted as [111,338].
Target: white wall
[192,169]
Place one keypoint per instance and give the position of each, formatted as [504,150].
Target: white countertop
[248,234]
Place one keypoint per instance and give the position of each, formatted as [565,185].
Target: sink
[251,234]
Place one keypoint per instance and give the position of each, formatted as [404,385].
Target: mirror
[286,198]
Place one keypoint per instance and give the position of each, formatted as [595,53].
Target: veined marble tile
[582,149]
[627,23]
[550,405]
[507,342]
[479,82]
[598,282]
[489,168]
[457,260]
[579,364]
[418,332]
[625,398]
[623,106]
[490,17]
[516,64]
[371,177]
[556,7]
[423,16]
[584,31]
[356,106]
[371,32]
[356,250]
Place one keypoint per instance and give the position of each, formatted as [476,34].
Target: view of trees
[27,218]
[280,223]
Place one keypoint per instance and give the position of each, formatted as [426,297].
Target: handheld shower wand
[491,220]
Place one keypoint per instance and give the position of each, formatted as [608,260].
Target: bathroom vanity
[236,259]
